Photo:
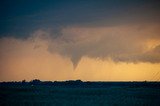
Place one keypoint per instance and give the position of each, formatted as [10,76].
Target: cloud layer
[97,53]
[130,43]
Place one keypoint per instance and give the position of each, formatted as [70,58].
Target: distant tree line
[79,83]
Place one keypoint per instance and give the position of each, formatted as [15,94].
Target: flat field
[47,95]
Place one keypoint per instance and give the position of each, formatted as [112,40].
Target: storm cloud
[126,43]
[130,43]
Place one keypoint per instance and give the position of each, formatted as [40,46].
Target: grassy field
[60,96]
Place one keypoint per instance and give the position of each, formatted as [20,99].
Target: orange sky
[45,58]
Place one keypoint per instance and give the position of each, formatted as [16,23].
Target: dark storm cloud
[19,18]
[128,43]
[121,44]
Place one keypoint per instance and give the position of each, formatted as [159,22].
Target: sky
[91,40]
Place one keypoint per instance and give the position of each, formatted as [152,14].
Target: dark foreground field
[91,94]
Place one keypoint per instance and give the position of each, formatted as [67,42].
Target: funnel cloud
[122,44]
